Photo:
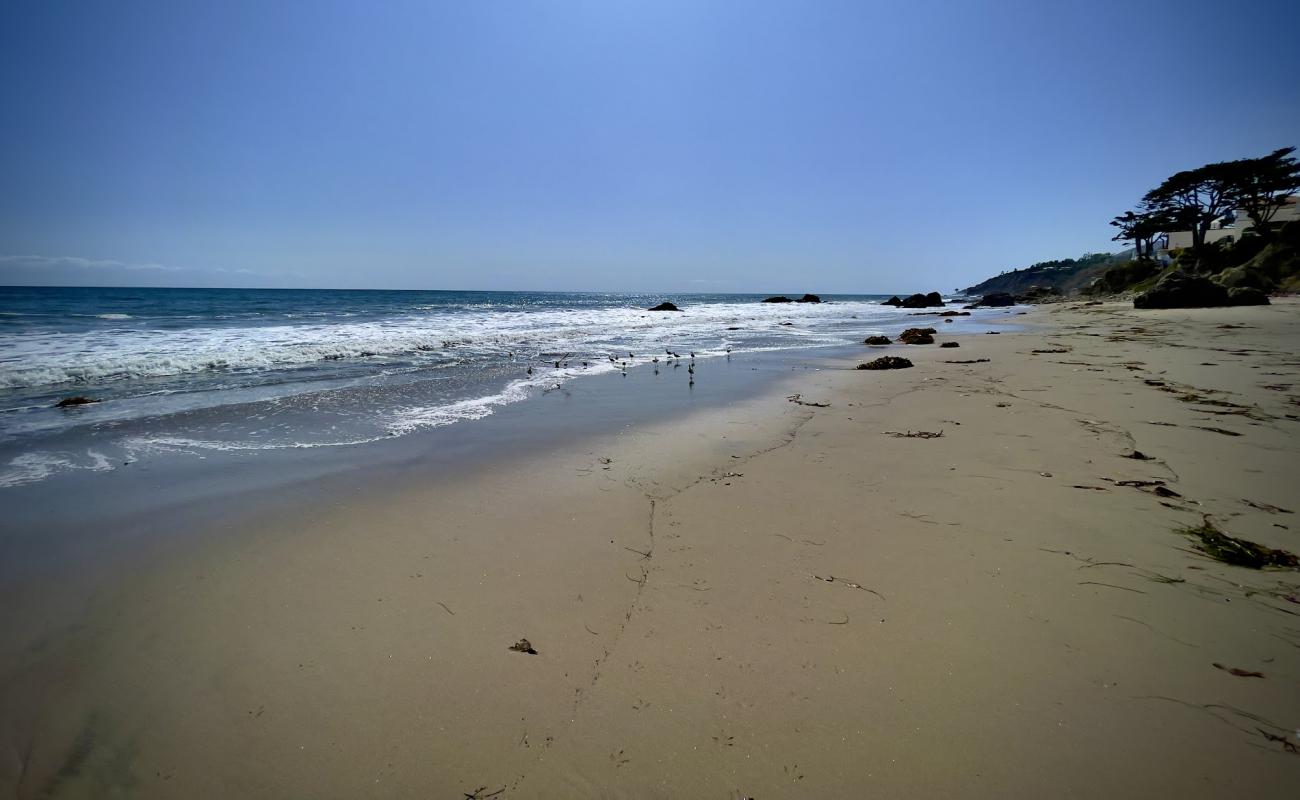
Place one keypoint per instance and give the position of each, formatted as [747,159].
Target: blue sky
[659,146]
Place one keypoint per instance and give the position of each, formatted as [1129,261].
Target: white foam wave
[138,446]
[97,358]
[40,464]
[406,420]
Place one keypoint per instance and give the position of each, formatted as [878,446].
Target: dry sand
[769,600]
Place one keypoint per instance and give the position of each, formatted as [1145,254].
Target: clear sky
[662,146]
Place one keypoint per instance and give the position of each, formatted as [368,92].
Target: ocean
[193,371]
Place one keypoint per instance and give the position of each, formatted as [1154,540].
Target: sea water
[202,370]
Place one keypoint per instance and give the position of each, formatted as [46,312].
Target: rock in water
[665,307]
[917,336]
[887,362]
[780,298]
[809,298]
[923,300]
[1180,289]
[893,301]
[877,340]
[77,400]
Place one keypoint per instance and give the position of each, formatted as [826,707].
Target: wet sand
[761,599]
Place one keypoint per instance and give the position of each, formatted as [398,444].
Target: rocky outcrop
[877,340]
[665,307]
[923,301]
[917,336]
[1247,296]
[1245,277]
[1181,289]
[887,362]
[809,298]
[995,300]
[1121,276]
[780,298]
[76,400]
[950,344]
[893,301]
[1039,294]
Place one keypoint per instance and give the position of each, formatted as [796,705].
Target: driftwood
[1240,673]
[798,400]
[914,434]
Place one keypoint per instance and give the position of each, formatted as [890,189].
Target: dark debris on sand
[1240,552]
[887,362]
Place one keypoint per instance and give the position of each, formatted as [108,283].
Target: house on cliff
[1231,227]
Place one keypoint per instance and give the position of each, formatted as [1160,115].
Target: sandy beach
[767,599]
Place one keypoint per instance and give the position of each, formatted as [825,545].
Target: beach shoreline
[760,598]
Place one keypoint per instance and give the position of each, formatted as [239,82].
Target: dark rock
[78,400]
[778,299]
[1039,294]
[1247,296]
[893,301]
[887,362]
[995,300]
[809,298]
[786,324]
[665,307]
[1245,277]
[923,300]
[948,321]
[950,344]
[877,340]
[917,336]
[1181,289]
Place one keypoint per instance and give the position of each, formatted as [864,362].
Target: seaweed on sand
[1243,553]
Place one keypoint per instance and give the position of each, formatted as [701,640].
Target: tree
[1142,229]
[1264,185]
[1195,198]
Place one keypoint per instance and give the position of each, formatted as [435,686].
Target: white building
[1233,226]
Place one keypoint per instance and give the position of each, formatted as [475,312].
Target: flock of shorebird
[670,356]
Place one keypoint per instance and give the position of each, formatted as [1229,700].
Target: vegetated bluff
[1065,276]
